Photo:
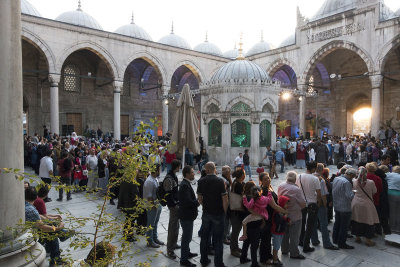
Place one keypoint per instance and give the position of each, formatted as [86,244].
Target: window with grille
[240,133]
[126,87]
[71,80]
[214,133]
[240,109]
[265,133]
[212,108]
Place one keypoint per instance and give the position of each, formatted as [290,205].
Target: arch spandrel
[192,66]
[93,47]
[238,99]
[385,52]
[42,46]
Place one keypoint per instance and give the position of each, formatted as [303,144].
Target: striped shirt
[342,194]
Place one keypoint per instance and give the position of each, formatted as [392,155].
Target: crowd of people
[363,197]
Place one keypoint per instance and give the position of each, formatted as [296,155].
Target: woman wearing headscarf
[364,215]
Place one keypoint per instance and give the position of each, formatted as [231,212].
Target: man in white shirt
[46,169]
[311,188]
[239,160]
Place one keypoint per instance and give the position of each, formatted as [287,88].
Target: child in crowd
[258,203]
[260,168]
[272,171]
[279,222]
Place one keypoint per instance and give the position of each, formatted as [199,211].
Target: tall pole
[16,251]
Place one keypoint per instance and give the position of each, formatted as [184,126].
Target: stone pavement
[380,255]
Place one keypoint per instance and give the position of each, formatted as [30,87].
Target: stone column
[54,104]
[117,110]
[273,133]
[165,91]
[255,143]
[302,116]
[376,81]
[17,251]
[226,139]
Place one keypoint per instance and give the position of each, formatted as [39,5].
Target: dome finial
[172,27]
[262,36]
[206,37]
[79,5]
[132,21]
[240,56]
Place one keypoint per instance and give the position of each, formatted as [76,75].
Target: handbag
[235,201]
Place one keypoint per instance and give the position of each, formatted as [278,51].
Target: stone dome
[208,48]
[28,9]
[133,30]
[291,40]
[80,18]
[333,7]
[174,40]
[239,69]
[259,47]
[232,54]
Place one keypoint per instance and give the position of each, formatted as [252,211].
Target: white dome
[174,40]
[28,9]
[397,13]
[333,7]
[134,31]
[259,48]
[80,18]
[291,40]
[208,48]
[240,69]
[232,54]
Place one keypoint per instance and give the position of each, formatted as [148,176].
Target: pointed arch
[270,103]
[240,99]
[279,63]
[100,51]
[154,61]
[384,53]
[210,102]
[193,67]
[332,46]
[36,41]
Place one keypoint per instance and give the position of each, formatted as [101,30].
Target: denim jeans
[187,232]
[153,216]
[214,223]
[340,227]
[247,169]
[52,247]
[323,225]
[64,181]
[309,220]
[282,165]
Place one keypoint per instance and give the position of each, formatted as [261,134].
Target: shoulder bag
[235,200]
[365,192]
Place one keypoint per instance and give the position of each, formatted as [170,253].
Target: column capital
[54,79]
[376,80]
[118,85]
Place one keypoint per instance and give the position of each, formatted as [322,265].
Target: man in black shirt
[214,198]
[246,163]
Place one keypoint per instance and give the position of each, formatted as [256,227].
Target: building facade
[77,76]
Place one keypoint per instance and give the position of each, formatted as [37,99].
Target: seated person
[105,253]
[32,215]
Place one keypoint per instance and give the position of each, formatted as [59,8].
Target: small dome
[240,69]
[174,40]
[259,48]
[291,40]
[28,9]
[134,31]
[208,48]
[333,7]
[397,13]
[232,54]
[80,18]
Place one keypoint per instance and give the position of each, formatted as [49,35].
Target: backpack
[161,194]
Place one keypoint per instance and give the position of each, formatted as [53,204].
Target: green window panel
[240,133]
[265,133]
[215,133]
[240,109]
